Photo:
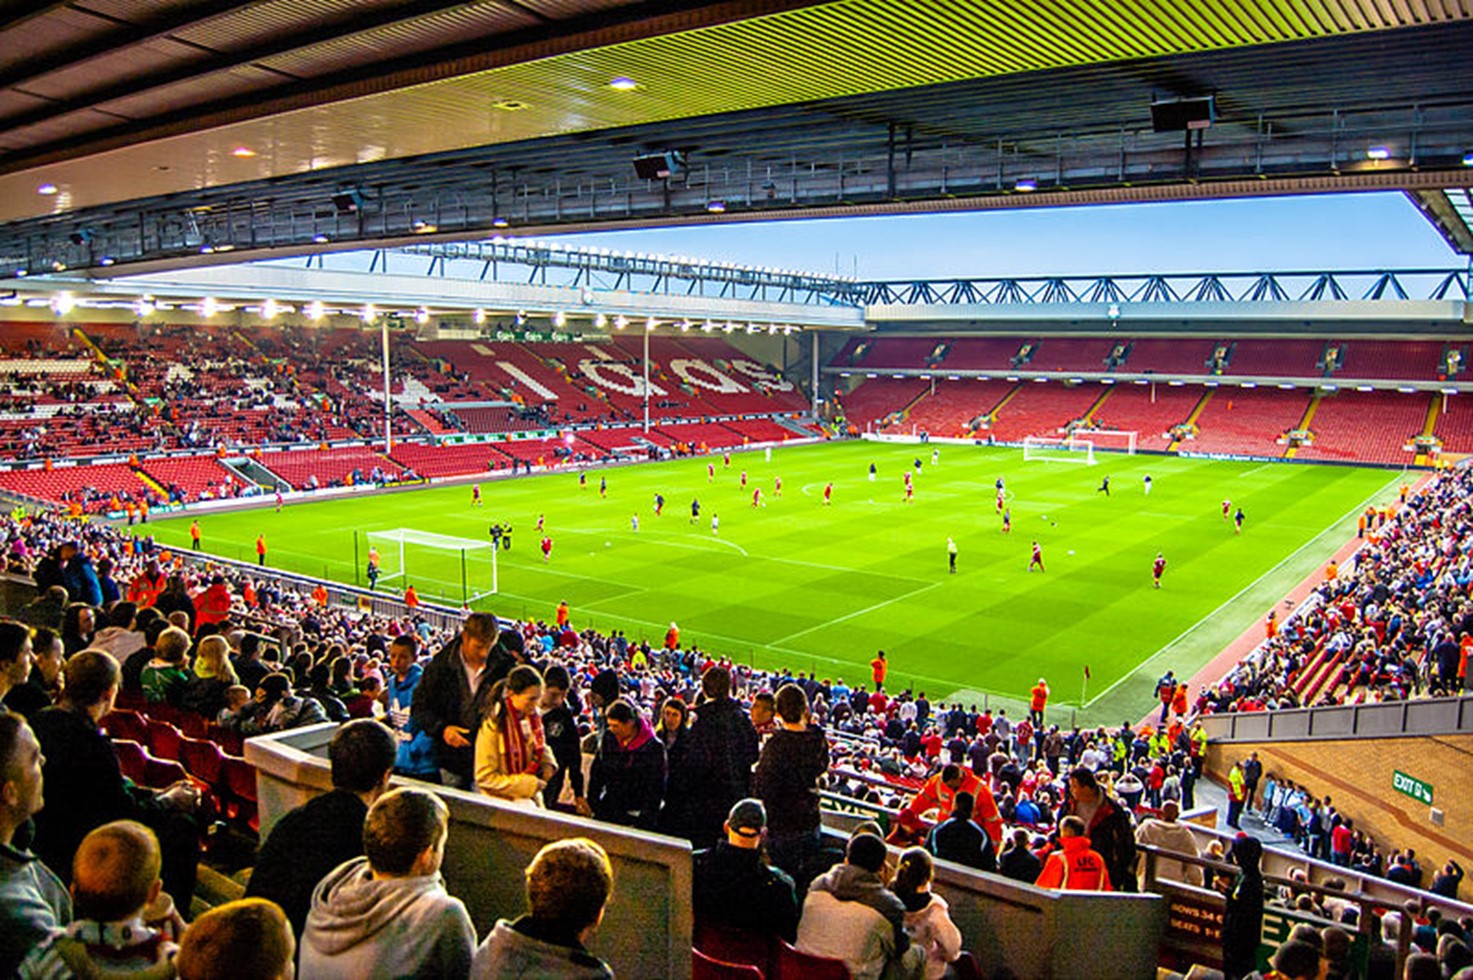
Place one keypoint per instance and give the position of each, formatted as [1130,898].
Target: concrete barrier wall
[647,930]
[1036,934]
[1014,929]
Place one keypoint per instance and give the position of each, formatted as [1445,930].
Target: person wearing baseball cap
[733,885]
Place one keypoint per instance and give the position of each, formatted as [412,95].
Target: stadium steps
[991,413]
[151,483]
[1434,409]
[1090,415]
[1303,424]
[245,342]
[1196,413]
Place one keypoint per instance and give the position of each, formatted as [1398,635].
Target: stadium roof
[159,130]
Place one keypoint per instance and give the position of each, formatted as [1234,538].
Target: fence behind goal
[439,566]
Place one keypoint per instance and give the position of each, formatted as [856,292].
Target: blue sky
[1349,231]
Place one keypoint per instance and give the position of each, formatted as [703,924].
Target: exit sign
[1415,788]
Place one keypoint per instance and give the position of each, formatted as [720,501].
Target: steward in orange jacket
[1074,867]
[939,793]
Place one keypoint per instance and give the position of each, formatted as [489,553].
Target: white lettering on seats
[690,371]
[624,380]
[524,378]
[761,375]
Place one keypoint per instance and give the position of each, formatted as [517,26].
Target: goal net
[1114,440]
[455,570]
[1070,450]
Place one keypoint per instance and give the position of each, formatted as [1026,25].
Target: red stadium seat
[203,759]
[704,967]
[163,739]
[160,773]
[120,723]
[732,945]
[240,782]
[132,758]
[229,741]
[795,965]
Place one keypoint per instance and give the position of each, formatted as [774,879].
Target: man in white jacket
[387,914]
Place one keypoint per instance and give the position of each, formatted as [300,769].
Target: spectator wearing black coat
[1107,824]
[732,885]
[324,832]
[1017,861]
[85,787]
[627,783]
[794,760]
[716,769]
[453,695]
[1242,921]
[959,840]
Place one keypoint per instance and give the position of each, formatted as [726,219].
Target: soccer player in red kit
[828,493]
[1037,558]
[1227,509]
[1157,567]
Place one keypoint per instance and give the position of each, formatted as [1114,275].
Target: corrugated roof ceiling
[307,84]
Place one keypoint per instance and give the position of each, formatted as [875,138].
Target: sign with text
[1411,786]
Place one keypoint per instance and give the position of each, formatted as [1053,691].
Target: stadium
[325,404]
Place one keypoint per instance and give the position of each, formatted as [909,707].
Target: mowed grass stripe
[814,587]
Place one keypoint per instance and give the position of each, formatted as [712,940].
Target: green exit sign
[1415,788]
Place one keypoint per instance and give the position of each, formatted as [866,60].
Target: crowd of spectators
[662,737]
[1395,621]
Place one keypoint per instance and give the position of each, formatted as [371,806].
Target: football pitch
[795,583]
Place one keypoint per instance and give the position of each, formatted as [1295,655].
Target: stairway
[1196,413]
[1303,426]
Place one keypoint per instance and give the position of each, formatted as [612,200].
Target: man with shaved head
[122,921]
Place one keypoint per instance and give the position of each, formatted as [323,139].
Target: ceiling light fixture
[315,310]
[63,303]
[244,152]
[499,222]
[623,83]
[716,207]
[46,190]
[1025,185]
[600,320]
[269,310]
[208,307]
[1378,153]
[479,316]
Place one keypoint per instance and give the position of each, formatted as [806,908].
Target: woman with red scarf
[513,761]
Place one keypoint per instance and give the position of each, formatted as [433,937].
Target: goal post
[439,566]
[1071,450]
[1114,440]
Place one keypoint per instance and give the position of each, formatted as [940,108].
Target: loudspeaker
[1179,114]
[658,166]
[347,201]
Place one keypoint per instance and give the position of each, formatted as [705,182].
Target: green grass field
[812,587]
